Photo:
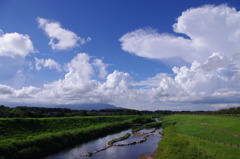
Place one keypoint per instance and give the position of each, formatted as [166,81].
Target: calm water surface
[115,152]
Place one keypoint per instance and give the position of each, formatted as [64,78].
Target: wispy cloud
[47,63]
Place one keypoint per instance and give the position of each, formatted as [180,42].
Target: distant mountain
[91,106]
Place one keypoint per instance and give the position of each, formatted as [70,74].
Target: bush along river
[125,144]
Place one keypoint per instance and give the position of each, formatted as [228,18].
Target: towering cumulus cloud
[211,44]
[208,28]
[215,81]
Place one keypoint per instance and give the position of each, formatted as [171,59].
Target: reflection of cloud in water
[112,151]
[115,152]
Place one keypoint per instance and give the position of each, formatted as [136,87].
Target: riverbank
[150,156]
[33,138]
[113,152]
[202,137]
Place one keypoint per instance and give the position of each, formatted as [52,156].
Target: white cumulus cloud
[60,38]
[210,46]
[78,84]
[15,44]
[47,63]
[209,28]
[4,90]
[213,82]
[102,68]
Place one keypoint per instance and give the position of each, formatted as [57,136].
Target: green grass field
[203,137]
[31,137]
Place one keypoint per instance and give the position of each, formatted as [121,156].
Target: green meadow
[200,137]
[184,136]
[36,137]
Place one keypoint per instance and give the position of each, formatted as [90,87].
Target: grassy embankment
[32,137]
[200,137]
[153,124]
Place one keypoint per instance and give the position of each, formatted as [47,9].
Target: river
[115,152]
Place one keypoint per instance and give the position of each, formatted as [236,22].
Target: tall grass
[31,138]
[203,137]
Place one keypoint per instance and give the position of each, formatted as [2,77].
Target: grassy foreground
[33,138]
[200,137]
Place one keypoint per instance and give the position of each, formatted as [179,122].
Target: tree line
[40,112]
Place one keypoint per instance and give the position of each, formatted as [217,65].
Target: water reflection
[115,152]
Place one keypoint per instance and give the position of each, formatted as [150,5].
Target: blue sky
[177,55]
